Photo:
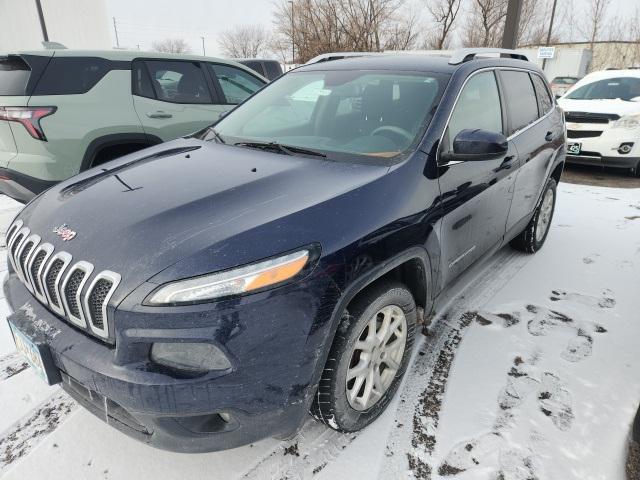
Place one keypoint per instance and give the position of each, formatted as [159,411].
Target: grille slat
[35,267]
[50,281]
[71,289]
[96,300]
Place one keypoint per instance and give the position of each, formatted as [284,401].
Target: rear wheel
[532,238]
[368,357]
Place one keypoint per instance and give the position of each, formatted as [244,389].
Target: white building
[80,24]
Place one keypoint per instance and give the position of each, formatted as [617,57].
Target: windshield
[345,115]
[624,88]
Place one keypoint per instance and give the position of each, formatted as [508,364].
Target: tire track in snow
[12,364]
[17,441]
[413,441]
[306,455]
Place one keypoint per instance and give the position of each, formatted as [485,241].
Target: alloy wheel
[376,357]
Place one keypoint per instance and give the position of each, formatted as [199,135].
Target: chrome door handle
[159,115]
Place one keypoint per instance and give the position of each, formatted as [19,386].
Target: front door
[476,195]
[173,98]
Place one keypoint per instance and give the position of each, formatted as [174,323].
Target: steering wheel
[394,133]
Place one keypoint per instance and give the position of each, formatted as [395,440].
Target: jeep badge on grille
[64,232]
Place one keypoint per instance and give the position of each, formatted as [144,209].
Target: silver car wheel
[544,217]
[376,357]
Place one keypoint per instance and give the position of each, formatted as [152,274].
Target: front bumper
[601,145]
[265,394]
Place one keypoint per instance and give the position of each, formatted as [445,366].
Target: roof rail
[466,54]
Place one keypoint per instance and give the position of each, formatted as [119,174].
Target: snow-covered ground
[532,371]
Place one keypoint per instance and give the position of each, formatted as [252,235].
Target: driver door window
[478,107]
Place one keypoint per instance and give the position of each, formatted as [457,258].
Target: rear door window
[14,76]
[237,85]
[520,98]
[544,98]
[71,75]
[175,82]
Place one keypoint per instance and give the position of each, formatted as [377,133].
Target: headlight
[231,282]
[627,121]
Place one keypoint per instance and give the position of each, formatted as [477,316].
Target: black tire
[331,405]
[527,240]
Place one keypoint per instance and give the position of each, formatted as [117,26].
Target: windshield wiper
[217,135]
[278,147]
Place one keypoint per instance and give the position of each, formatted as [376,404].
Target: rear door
[476,195]
[535,127]
[174,97]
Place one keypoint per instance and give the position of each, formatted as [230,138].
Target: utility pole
[553,14]
[203,50]
[115,29]
[510,35]
[43,25]
[293,37]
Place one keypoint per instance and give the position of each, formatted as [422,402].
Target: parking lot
[530,372]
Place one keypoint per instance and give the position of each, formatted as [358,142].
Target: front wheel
[532,238]
[368,358]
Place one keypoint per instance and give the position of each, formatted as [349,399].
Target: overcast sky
[140,22]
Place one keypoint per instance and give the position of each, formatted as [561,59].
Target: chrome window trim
[23,272]
[510,137]
[107,275]
[14,258]
[66,259]
[37,281]
[87,268]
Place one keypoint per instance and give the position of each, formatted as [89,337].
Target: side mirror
[476,145]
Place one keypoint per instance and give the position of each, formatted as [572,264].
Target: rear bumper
[266,394]
[22,187]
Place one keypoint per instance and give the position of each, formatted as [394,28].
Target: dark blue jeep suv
[211,291]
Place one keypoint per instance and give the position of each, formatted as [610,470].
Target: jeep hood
[146,211]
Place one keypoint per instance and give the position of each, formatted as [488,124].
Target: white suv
[603,119]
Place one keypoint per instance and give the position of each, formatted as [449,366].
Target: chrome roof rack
[466,54]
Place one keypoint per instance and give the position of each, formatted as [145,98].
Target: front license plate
[574,148]
[37,355]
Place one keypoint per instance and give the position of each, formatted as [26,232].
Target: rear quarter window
[522,103]
[71,75]
[542,92]
[14,76]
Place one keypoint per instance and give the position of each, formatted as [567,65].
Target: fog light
[189,356]
[625,148]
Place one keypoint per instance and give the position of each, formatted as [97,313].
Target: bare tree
[171,45]
[484,25]
[320,26]
[244,41]
[444,13]
[593,26]
[402,33]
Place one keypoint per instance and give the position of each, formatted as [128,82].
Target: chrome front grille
[59,284]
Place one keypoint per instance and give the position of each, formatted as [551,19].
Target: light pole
[293,36]
[553,14]
[203,50]
[43,25]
